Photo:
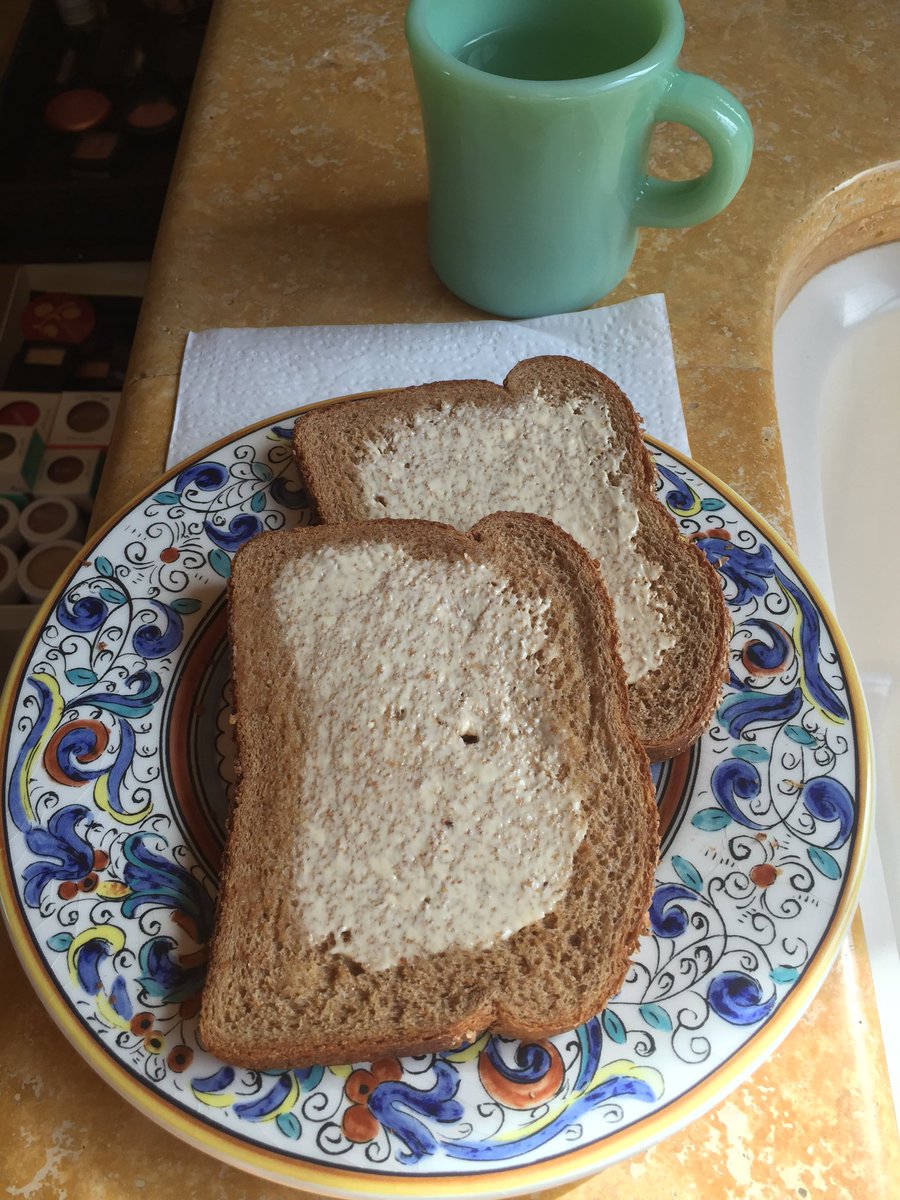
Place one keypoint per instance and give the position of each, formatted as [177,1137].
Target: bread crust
[672,705]
[547,977]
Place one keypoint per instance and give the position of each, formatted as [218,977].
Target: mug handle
[722,121]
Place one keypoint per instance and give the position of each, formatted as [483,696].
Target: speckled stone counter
[299,198]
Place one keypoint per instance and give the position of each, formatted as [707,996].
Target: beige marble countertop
[299,198]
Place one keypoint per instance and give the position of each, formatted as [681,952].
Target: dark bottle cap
[77,110]
[151,112]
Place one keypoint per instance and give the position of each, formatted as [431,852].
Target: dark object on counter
[96,154]
[79,14]
[103,368]
[40,367]
[77,110]
[58,317]
[151,113]
[95,371]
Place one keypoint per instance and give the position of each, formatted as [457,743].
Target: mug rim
[663,53]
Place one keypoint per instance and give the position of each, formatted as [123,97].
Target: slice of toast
[444,822]
[561,440]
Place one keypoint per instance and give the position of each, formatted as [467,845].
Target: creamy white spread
[456,464]
[433,812]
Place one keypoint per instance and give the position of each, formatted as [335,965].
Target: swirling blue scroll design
[827,799]
[109,786]
[141,691]
[735,781]
[746,708]
[165,979]
[807,638]
[747,570]
[230,538]
[63,852]
[590,1042]
[398,1106]
[286,496]
[667,917]
[279,1098]
[152,641]
[681,497]
[84,615]
[766,658]
[88,962]
[531,1061]
[156,882]
[616,1087]
[737,998]
[207,476]
[50,709]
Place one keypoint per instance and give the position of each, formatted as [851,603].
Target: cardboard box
[71,471]
[20,457]
[85,419]
[32,410]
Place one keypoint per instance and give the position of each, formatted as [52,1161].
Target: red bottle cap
[77,110]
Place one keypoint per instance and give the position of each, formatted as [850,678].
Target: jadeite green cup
[538,116]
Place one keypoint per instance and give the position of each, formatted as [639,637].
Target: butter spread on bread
[565,457]
[432,739]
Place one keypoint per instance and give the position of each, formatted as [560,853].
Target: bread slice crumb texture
[564,459]
[516,598]
[431,742]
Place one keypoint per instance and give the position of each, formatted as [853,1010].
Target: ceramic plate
[118,769]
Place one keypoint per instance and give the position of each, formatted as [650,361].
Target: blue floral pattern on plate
[119,901]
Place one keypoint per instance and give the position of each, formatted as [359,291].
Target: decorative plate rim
[556,1170]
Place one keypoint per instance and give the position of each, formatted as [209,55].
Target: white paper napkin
[231,378]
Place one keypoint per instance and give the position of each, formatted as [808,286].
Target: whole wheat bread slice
[274,996]
[672,702]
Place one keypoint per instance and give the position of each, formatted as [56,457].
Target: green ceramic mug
[538,116]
